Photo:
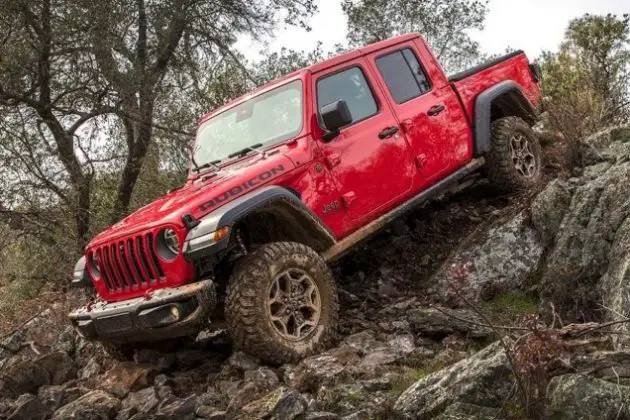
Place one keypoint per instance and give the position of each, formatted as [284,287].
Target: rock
[128,376]
[12,344]
[59,365]
[359,415]
[65,341]
[28,407]
[178,408]
[212,413]
[315,371]
[484,379]
[283,403]
[256,384]
[24,377]
[364,342]
[584,398]
[211,398]
[592,242]
[379,384]
[462,411]
[434,323]
[90,370]
[143,401]
[95,405]
[52,396]
[549,208]
[242,361]
[321,415]
[263,378]
[154,357]
[496,261]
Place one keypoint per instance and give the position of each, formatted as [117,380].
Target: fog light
[175,313]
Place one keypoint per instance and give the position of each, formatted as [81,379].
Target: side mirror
[335,115]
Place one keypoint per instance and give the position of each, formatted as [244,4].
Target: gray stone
[581,397]
[52,396]
[359,415]
[90,370]
[126,377]
[211,413]
[500,259]
[242,361]
[321,415]
[177,408]
[283,403]
[435,323]
[263,378]
[143,401]
[60,366]
[28,407]
[462,411]
[484,379]
[549,208]
[94,405]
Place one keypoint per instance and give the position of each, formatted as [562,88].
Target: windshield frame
[241,100]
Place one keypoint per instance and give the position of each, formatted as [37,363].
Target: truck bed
[514,66]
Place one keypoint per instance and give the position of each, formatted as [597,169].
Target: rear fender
[281,202]
[501,100]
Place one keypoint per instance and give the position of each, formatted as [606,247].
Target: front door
[370,159]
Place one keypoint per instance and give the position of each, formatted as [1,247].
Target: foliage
[444,23]
[587,81]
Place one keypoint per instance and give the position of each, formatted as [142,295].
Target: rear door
[370,158]
[428,110]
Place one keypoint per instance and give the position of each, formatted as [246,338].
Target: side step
[340,248]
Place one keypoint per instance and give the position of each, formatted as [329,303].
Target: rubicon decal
[247,185]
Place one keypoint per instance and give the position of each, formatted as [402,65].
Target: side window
[403,75]
[351,86]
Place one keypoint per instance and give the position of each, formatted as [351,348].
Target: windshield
[269,118]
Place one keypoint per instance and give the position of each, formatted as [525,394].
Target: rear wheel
[282,303]
[514,163]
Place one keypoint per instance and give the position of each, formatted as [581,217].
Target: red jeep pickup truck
[288,178]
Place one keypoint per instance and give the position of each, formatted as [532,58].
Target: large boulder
[592,240]
[484,379]
[95,405]
[497,260]
[549,208]
[128,376]
[579,397]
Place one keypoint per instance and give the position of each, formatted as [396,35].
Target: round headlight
[171,241]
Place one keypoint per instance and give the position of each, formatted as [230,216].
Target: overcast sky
[530,25]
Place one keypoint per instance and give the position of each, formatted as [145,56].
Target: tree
[588,80]
[444,23]
[141,45]
[49,93]
[76,76]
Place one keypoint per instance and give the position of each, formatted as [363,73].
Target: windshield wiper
[213,164]
[243,152]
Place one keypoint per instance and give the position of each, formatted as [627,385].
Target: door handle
[387,132]
[435,110]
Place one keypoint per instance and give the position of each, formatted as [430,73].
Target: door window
[351,86]
[403,75]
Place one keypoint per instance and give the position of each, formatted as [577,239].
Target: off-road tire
[249,322]
[500,167]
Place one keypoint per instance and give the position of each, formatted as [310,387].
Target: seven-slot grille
[129,263]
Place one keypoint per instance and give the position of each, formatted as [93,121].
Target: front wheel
[514,163]
[282,303]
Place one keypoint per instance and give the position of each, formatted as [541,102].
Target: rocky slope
[421,304]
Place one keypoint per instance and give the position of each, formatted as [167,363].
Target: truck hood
[201,196]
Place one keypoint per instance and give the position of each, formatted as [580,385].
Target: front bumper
[148,318]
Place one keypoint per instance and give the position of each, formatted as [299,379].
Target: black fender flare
[228,215]
[522,107]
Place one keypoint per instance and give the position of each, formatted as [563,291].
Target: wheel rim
[294,304]
[523,158]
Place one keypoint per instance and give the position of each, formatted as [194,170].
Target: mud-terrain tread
[245,311]
[499,166]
